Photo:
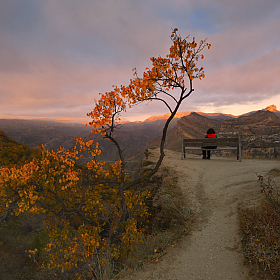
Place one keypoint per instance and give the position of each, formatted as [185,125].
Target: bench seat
[233,143]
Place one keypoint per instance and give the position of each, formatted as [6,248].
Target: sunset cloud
[56,56]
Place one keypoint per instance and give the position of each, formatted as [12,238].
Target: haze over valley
[259,132]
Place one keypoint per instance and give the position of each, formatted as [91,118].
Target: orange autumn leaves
[166,74]
[189,54]
[84,197]
[79,201]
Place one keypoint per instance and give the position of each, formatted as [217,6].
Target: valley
[259,131]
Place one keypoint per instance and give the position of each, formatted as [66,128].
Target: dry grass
[169,218]
[260,229]
[17,236]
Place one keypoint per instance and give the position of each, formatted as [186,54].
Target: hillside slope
[14,153]
[258,124]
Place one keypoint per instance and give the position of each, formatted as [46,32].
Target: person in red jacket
[210,134]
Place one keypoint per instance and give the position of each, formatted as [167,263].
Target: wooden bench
[233,143]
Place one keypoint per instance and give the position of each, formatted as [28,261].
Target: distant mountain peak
[166,116]
[194,114]
[218,116]
[271,108]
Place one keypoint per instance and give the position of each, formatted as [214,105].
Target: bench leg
[239,148]
[183,149]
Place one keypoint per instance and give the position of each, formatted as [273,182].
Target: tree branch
[157,98]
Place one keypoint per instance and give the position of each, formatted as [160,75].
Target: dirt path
[214,189]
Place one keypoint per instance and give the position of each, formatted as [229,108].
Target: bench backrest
[220,142]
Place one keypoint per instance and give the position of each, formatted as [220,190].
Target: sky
[57,56]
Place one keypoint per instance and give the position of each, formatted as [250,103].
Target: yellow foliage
[94,215]
[55,184]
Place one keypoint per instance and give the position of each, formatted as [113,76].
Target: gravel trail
[214,189]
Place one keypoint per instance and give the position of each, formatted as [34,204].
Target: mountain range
[258,124]
[135,137]
[217,116]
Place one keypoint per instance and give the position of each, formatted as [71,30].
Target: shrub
[260,228]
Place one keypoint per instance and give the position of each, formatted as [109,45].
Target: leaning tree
[170,81]
[92,210]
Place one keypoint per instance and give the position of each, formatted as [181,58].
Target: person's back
[210,134]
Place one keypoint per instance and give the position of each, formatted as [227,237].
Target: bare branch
[162,100]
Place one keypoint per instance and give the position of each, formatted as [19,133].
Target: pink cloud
[252,81]
[78,49]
